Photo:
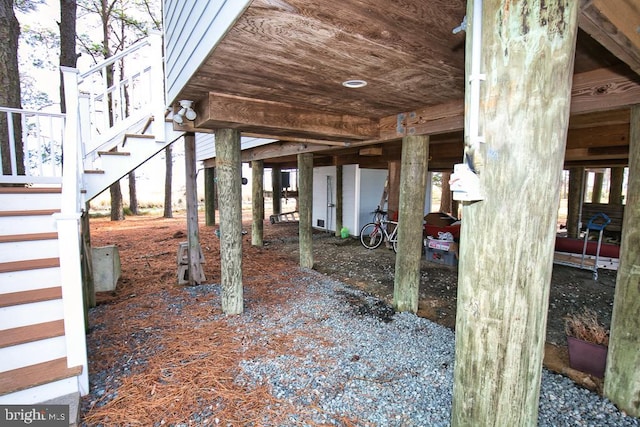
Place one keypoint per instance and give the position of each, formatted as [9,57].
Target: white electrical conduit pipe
[476,77]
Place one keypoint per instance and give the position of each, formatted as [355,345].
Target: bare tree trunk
[10,83]
[117,209]
[168,163]
[504,277]
[133,193]
[68,55]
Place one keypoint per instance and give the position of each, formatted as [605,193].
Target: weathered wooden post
[195,272]
[393,188]
[413,180]
[338,200]
[210,201]
[574,204]
[507,239]
[622,377]
[276,187]
[615,186]
[257,201]
[598,180]
[305,200]
[230,200]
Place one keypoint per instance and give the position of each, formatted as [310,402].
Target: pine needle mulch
[165,354]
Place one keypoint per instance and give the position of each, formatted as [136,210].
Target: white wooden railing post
[68,224]
[157,85]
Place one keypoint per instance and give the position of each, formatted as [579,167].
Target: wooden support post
[413,180]
[196,274]
[393,189]
[230,202]
[276,184]
[622,377]
[338,200]
[446,201]
[598,180]
[615,186]
[574,206]
[507,240]
[305,200]
[257,201]
[210,196]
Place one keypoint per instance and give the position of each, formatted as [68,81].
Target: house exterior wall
[192,30]
[371,187]
[350,203]
[324,189]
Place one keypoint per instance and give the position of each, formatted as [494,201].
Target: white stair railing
[41,136]
[132,92]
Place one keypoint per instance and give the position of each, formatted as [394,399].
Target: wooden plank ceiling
[279,70]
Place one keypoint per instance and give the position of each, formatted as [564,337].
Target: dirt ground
[148,248]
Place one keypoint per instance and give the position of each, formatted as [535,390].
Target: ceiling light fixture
[186,112]
[354,84]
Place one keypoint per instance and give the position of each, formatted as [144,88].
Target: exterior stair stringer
[130,153]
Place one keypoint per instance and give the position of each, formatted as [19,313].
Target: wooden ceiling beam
[433,120]
[604,89]
[280,149]
[274,118]
[600,136]
[614,24]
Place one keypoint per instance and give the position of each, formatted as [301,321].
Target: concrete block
[106,268]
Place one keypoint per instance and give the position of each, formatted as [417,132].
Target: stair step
[35,375]
[32,264]
[94,171]
[28,237]
[25,334]
[138,135]
[38,212]
[27,297]
[30,190]
[113,153]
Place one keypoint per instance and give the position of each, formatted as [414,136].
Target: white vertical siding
[322,178]
[192,29]
[371,188]
[350,200]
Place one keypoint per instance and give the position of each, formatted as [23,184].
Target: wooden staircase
[33,342]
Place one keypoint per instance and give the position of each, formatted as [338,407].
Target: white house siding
[324,188]
[205,146]
[193,28]
[350,203]
[371,188]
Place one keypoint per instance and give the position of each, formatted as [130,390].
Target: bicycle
[374,233]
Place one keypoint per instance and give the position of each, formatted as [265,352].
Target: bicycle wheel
[371,235]
[395,244]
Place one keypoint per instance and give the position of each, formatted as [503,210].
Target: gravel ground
[388,370]
[352,361]
[312,347]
